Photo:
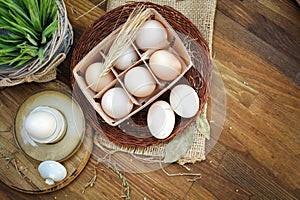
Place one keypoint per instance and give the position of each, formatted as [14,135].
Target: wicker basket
[197,76]
[55,52]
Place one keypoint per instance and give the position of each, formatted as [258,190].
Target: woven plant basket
[55,52]
[198,76]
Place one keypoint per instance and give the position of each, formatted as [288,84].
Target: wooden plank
[287,9]
[278,45]
[79,12]
[258,184]
[272,143]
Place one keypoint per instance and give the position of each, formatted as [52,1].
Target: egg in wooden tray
[132,68]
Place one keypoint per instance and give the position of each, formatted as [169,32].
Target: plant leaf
[178,147]
[31,40]
[7,49]
[21,21]
[9,40]
[20,28]
[52,13]
[15,7]
[21,59]
[3,10]
[33,9]
[28,49]
[41,54]
[49,30]
[203,126]
[43,12]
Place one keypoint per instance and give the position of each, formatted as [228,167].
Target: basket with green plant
[35,36]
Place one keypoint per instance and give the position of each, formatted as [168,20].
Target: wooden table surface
[256,47]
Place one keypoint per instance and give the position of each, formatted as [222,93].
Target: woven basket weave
[197,77]
[55,52]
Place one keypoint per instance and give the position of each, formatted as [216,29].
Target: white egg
[127,59]
[160,119]
[40,124]
[139,82]
[116,103]
[165,65]
[93,79]
[152,35]
[184,101]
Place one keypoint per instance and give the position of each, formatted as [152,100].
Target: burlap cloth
[201,13]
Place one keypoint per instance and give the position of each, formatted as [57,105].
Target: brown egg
[93,79]
[165,65]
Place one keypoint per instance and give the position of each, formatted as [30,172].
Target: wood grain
[256,48]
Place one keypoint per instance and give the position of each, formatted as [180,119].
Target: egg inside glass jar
[127,59]
[139,82]
[45,125]
[165,65]
[116,103]
[152,35]
[93,79]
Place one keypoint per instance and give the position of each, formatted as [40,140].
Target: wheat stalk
[125,36]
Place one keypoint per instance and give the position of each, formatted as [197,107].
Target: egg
[127,59]
[184,101]
[45,125]
[152,35]
[93,79]
[160,119]
[139,82]
[165,65]
[40,124]
[116,103]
